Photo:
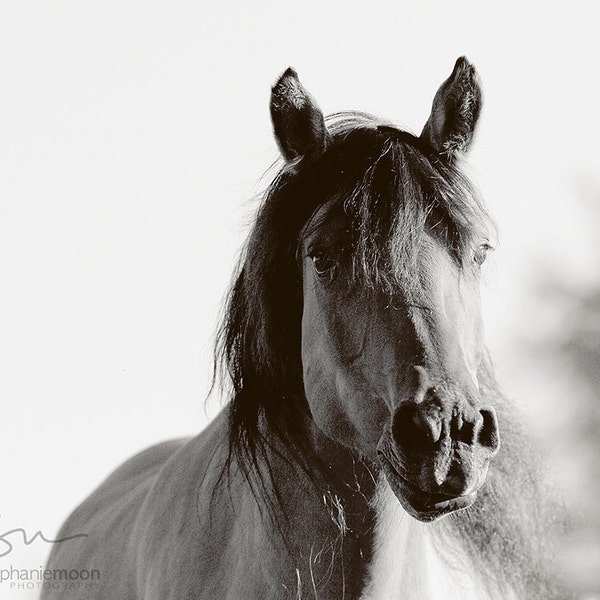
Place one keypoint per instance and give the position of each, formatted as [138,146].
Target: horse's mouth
[421,504]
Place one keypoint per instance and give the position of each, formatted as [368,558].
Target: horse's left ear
[455,111]
[298,122]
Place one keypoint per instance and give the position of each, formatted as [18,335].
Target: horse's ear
[298,122]
[455,111]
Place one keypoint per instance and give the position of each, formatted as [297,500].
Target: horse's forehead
[421,266]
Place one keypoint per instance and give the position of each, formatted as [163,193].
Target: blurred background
[133,141]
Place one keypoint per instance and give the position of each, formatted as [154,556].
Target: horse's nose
[419,426]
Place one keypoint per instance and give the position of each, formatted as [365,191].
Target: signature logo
[8,546]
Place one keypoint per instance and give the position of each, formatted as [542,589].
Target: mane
[393,188]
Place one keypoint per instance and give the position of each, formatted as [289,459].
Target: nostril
[465,433]
[488,433]
[413,429]
[404,429]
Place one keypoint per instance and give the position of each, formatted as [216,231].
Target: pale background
[133,137]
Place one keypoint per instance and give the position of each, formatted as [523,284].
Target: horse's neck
[417,561]
[318,522]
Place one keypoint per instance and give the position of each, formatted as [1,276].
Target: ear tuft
[298,123]
[455,111]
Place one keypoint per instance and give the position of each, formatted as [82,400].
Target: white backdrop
[133,136]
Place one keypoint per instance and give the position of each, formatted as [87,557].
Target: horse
[365,451]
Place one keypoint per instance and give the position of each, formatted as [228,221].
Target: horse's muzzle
[436,458]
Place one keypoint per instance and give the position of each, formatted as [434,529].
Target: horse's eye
[481,253]
[324,265]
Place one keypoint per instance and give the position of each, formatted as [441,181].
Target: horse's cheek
[338,405]
[325,400]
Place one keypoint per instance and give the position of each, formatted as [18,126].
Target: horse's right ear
[298,122]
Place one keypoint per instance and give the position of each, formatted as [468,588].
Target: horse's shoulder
[192,519]
[164,466]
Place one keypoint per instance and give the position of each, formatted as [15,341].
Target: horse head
[390,258]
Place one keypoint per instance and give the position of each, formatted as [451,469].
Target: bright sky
[133,136]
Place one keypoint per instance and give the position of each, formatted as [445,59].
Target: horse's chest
[408,563]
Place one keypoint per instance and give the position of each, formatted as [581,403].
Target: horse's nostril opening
[488,434]
[414,430]
[465,434]
[404,428]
